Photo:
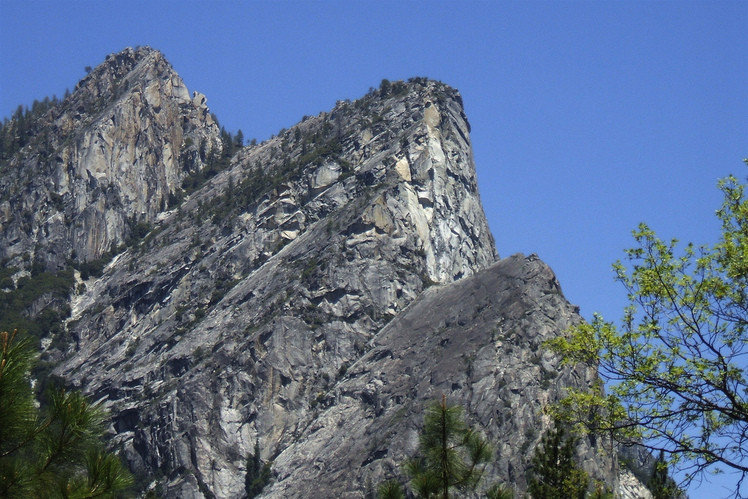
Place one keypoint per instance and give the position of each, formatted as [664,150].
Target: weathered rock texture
[313,295]
[479,342]
[108,154]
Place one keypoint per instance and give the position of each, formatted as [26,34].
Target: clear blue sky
[587,117]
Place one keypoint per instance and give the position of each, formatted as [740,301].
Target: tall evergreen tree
[258,473]
[391,490]
[453,456]
[660,484]
[554,473]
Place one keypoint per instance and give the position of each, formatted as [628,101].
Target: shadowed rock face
[314,295]
[479,342]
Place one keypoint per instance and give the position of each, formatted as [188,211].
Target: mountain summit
[309,294]
[102,160]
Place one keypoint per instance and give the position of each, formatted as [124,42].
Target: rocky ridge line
[247,301]
[314,293]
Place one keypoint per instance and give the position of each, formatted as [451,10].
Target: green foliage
[554,472]
[215,162]
[660,484]
[601,492]
[23,129]
[16,304]
[223,285]
[384,88]
[498,491]
[94,268]
[55,451]
[258,473]
[391,490]
[453,456]
[675,364]
[138,231]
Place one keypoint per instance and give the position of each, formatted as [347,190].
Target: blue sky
[587,117]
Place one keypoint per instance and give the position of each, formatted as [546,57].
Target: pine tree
[452,454]
[258,473]
[554,473]
[499,492]
[660,484]
[391,490]
[56,451]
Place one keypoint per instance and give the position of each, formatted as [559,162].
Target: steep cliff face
[252,296]
[103,159]
[312,296]
[477,341]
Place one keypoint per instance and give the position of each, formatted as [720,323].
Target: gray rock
[112,153]
[315,294]
[479,342]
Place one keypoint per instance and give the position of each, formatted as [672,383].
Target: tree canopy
[675,364]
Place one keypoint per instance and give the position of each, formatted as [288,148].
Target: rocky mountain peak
[310,293]
[143,65]
[107,157]
[279,272]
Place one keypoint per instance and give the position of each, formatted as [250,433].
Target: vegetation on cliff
[452,456]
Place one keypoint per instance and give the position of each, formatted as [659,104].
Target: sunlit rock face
[313,295]
[107,155]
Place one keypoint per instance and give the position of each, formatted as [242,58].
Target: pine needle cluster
[54,451]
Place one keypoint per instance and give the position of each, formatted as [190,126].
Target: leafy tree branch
[675,364]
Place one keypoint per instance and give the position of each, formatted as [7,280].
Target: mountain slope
[311,293]
[100,161]
[479,342]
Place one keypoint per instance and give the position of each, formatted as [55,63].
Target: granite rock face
[313,295]
[477,341]
[109,154]
[256,293]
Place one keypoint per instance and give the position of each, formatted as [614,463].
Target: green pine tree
[56,451]
[391,490]
[453,456]
[499,492]
[554,472]
[660,484]
[258,473]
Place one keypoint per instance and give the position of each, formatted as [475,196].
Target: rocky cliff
[103,159]
[478,341]
[311,296]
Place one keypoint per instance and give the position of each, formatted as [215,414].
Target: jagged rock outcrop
[104,158]
[313,295]
[314,241]
[479,342]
